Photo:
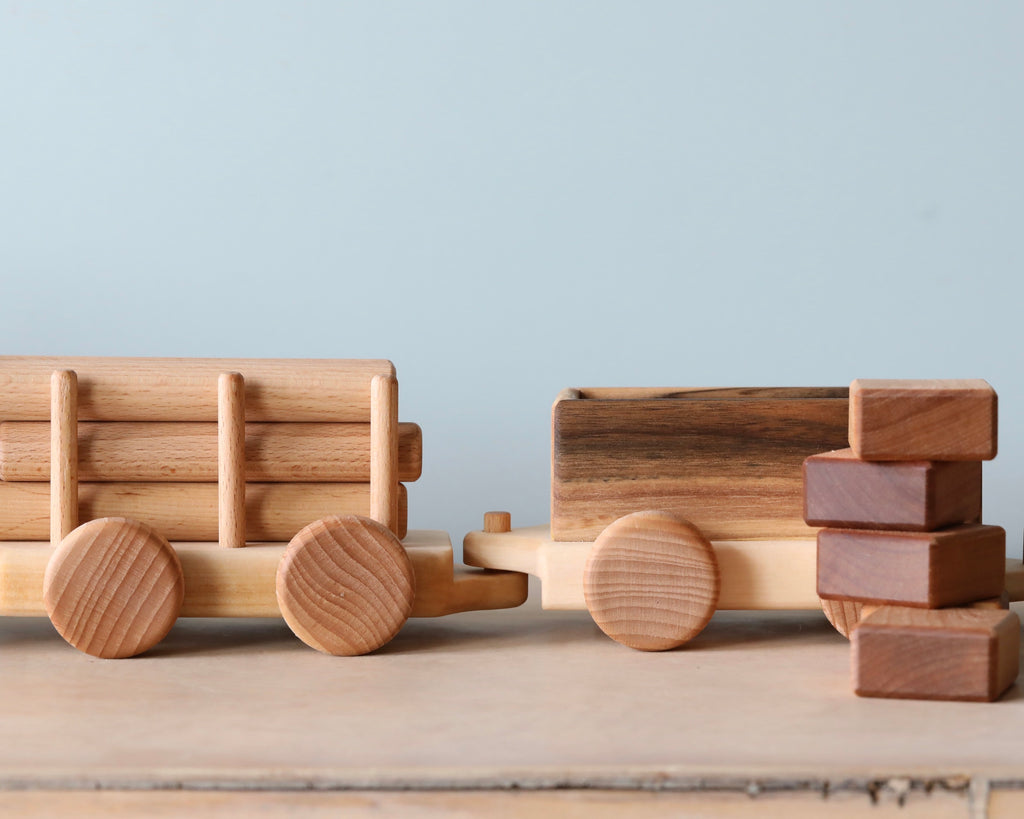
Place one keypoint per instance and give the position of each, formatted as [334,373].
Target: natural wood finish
[922,569]
[187,452]
[729,460]
[188,511]
[63,454]
[113,588]
[778,575]
[384,450]
[231,460]
[949,654]
[345,585]
[242,582]
[651,581]
[185,389]
[497,522]
[843,614]
[842,491]
[1015,579]
[930,420]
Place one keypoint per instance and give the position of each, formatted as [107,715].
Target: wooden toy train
[666,505]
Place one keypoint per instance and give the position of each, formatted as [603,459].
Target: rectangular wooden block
[946,654]
[921,569]
[187,452]
[842,491]
[729,460]
[929,420]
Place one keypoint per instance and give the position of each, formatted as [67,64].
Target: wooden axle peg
[63,454]
[497,523]
[231,459]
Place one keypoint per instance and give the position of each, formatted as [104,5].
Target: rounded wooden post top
[651,581]
[497,522]
[345,585]
[113,588]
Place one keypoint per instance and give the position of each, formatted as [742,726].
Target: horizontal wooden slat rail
[185,389]
[188,511]
[187,452]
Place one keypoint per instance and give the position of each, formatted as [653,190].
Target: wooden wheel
[113,588]
[651,581]
[345,585]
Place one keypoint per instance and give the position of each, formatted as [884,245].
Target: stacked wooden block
[904,555]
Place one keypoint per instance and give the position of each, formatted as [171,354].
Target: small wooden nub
[843,614]
[497,523]
[113,588]
[384,450]
[231,458]
[63,454]
[345,585]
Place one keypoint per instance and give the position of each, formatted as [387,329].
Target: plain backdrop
[510,198]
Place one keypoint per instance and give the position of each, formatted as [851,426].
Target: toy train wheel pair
[114,587]
[651,581]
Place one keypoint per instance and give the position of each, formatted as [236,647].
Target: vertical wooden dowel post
[231,458]
[63,454]
[384,450]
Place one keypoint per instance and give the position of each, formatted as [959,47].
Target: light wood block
[187,452]
[113,588]
[923,569]
[949,654]
[842,491]
[185,389]
[768,574]
[728,460]
[929,420]
[242,582]
[188,511]
[345,585]
[651,581]
[63,454]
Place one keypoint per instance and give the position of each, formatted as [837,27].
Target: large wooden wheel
[113,588]
[651,581]
[345,585]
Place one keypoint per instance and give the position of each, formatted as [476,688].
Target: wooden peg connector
[384,450]
[497,523]
[63,454]
[231,458]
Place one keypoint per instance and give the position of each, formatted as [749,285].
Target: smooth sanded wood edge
[231,459]
[241,582]
[63,454]
[183,389]
[768,575]
[384,450]
[188,511]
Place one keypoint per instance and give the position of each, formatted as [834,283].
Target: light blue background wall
[511,198]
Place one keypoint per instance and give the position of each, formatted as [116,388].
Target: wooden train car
[103,462]
[669,504]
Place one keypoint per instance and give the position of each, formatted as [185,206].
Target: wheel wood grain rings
[113,588]
[345,585]
[651,581]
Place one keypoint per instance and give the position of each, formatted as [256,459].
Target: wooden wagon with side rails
[135,491]
[669,504]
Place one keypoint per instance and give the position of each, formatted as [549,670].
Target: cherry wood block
[345,585]
[841,491]
[727,460]
[930,420]
[187,452]
[947,654]
[651,581]
[924,569]
[113,588]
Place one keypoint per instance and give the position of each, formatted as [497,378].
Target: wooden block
[949,654]
[842,491]
[651,581]
[844,615]
[926,420]
[187,452]
[345,585]
[188,511]
[185,389]
[924,569]
[113,588]
[728,460]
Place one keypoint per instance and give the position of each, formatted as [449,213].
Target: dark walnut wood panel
[729,460]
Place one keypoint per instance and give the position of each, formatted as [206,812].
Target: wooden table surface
[757,712]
